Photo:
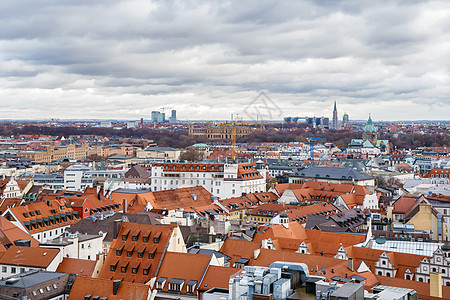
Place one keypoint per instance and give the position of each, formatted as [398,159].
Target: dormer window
[130,253]
[32,213]
[124,268]
[38,212]
[160,283]
[112,268]
[156,238]
[191,286]
[134,238]
[176,285]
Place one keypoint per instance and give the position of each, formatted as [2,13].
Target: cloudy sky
[210,59]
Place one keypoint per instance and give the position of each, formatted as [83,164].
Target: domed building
[369,143]
[370,132]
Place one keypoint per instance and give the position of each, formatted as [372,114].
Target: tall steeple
[335,124]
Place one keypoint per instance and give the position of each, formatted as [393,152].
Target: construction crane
[311,141]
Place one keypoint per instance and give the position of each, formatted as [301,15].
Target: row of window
[135,270]
[13,270]
[151,255]
[145,239]
[41,291]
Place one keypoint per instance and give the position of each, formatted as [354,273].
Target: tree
[380,181]
[191,155]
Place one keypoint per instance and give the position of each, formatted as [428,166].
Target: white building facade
[222,180]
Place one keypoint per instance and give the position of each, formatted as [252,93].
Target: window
[145,239]
[118,252]
[41,291]
[112,268]
[134,270]
[34,293]
[124,237]
[123,269]
[129,253]
[48,288]
[151,255]
[145,271]
[140,254]
[13,270]
[82,246]
[22,270]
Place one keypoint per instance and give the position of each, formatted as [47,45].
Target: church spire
[369,121]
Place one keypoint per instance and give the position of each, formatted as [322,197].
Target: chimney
[350,263]
[256,253]
[116,284]
[116,227]
[436,285]
[124,206]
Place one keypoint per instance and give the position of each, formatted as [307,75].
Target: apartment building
[222,180]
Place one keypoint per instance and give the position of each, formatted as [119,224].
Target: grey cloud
[217,55]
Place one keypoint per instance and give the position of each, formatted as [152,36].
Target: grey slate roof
[30,279]
[335,173]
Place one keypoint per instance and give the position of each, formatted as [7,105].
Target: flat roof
[418,248]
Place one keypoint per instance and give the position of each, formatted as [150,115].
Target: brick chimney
[124,206]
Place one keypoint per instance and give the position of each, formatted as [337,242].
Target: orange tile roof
[80,267]
[185,266]
[294,212]
[42,216]
[167,199]
[217,277]
[147,262]
[10,202]
[404,204]
[104,288]
[9,233]
[236,249]
[28,256]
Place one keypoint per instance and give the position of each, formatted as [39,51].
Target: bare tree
[191,155]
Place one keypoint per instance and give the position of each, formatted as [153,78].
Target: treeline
[181,139]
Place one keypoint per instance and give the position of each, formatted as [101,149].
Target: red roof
[104,288]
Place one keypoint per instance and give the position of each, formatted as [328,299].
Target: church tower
[335,124]
[370,132]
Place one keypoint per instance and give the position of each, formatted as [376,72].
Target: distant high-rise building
[158,117]
[335,123]
[345,120]
[173,117]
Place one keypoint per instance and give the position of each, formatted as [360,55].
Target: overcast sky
[210,59]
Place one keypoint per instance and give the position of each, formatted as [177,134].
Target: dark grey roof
[177,281]
[332,173]
[130,191]
[208,252]
[30,279]
[89,226]
[156,148]
[242,261]
[192,282]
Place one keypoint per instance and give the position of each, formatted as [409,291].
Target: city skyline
[208,60]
